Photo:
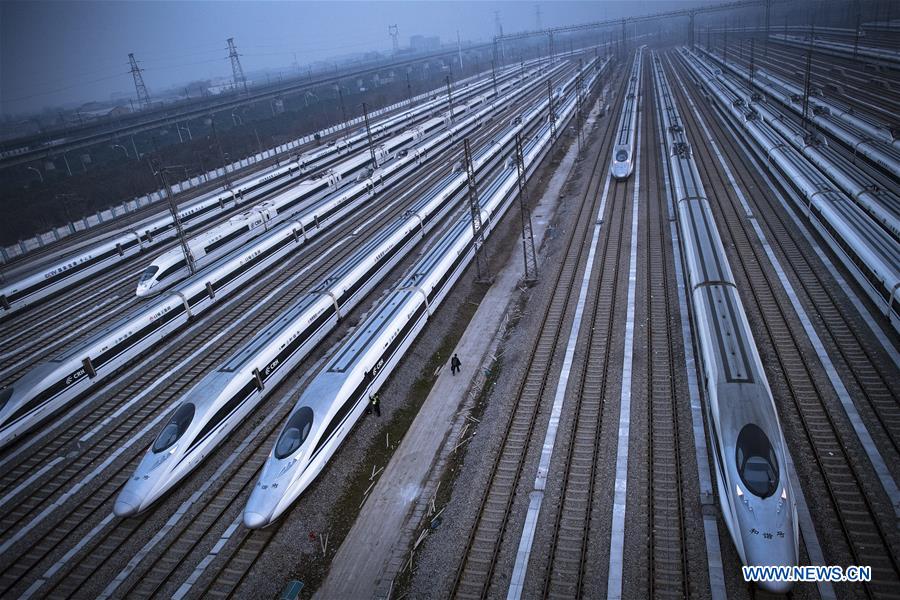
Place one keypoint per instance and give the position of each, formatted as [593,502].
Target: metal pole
[528,251]
[807,87]
[212,122]
[449,99]
[725,46]
[369,136]
[752,65]
[343,109]
[481,265]
[494,77]
[578,94]
[691,30]
[408,89]
[173,208]
[551,115]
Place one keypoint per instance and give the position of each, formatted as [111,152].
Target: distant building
[421,43]
[221,86]
[91,112]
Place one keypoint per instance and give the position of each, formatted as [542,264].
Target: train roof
[265,337]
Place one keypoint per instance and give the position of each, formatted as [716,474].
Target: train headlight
[783,499]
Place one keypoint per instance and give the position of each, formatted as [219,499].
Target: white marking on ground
[517,581]
[620,499]
[34,477]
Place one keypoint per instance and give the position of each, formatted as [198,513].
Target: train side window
[756,462]
[175,428]
[295,433]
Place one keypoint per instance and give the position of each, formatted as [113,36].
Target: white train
[171,266]
[54,278]
[868,251]
[68,378]
[852,132]
[882,204]
[623,151]
[749,451]
[210,411]
[327,409]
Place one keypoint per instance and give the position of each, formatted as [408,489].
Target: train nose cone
[774,555]
[776,587]
[254,520]
[127,504]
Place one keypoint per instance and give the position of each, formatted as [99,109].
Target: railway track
[115,283]
[475,571]
[567,565]
[243,548]
[113,292]
[158,208]
[105,548]
[871,372]
[867,531]
[787,65]
[667,544]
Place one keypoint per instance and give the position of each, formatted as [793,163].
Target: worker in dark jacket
[374,404]
[455,364]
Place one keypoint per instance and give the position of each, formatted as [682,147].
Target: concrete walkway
[377,546]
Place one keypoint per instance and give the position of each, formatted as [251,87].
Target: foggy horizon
[47,63]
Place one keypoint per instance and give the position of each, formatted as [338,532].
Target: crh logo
[271,367]
[377,367]
[75,376]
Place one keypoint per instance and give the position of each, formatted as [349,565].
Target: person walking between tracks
[374,404]
[455,364]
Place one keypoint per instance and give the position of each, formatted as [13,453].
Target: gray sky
[53,53]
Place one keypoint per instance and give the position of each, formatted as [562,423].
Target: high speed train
[55,278]
[210,411]
[171,266]
[623,151]
[70,270]
[867,250]
[856,134]
[329,406]
[881,203]
[69,377]
[749,450]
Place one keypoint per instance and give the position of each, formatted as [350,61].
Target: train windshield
[149,273]
[175,428]
[756,461]
[295,433]
[622,155]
